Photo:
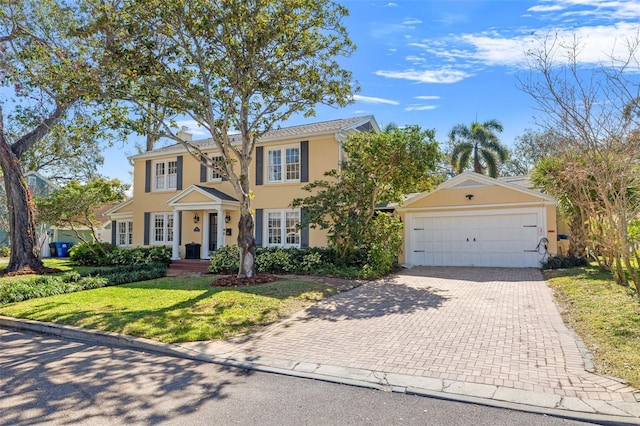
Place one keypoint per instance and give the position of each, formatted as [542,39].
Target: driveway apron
[494,326]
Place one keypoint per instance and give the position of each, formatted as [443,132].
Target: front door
[213,231]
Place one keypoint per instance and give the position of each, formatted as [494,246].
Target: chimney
[184,134]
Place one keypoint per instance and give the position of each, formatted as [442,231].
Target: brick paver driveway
[494,326]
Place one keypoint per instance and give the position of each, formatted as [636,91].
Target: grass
[605,315]
[174,309]
[64,264]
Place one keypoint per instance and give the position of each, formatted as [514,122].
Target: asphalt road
[45,380]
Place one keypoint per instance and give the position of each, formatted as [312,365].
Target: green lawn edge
[174,309]
[605,315]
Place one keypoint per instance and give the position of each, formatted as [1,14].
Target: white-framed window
[282,228]
[124,233]
[32,181]
[283,164]
[214,175]
[165,175]
[161,228]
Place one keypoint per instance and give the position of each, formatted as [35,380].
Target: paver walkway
[491,326]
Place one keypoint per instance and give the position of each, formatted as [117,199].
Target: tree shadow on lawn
[204,322]
[47,380]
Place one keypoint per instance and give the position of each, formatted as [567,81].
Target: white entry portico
[201,202]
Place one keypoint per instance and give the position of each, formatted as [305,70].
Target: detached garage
[475,220]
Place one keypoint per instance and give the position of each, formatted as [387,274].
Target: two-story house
[469,220]
[177,201]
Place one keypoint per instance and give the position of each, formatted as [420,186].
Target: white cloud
[415,59]
[391,4]
[374,100]
[427,97]
[420,108]
[445,75]
[411,21]
[611,10]
[545,8]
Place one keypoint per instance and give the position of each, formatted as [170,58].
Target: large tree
[528,150]
[380,168]
[52,67]
[477,146]
[233,66]
[596,113]
[74,205]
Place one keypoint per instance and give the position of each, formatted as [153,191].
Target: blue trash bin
[62,249]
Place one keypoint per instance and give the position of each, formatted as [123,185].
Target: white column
[221,226]
[205,235]
[177,232]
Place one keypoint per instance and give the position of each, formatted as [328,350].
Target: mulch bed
[233,281]
[28,270]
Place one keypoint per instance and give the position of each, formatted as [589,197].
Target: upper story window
[214,175]
[165,175]
[283,164]
[32,181]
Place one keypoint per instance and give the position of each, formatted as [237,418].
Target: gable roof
[475,180]
[344,125]
[212,194]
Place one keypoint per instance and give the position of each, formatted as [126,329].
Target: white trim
[166,175]
[207,144]
[283,228]
[482,180]
[283,163]
[478,207]
[165,228]
[128,233]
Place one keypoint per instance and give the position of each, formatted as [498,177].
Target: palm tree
[478,143]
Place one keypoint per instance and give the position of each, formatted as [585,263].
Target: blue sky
[445,62]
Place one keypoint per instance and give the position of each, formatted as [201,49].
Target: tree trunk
[246,241]
[24,244]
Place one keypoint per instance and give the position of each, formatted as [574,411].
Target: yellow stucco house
[176,201]
[468,220]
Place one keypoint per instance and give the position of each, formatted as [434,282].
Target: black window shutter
[147,227]
[179,228]
[203,171]
[259,164]
[258,227]
[304,161]
[304,231]
[147,176]
[114,232]
[179,171]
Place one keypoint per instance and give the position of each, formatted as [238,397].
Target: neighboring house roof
[113,210]
[524,181]
[345,125]
[100,214]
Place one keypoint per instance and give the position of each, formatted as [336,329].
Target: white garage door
[485,239]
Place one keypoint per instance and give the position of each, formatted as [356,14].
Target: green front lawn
[605,315]
[174,309]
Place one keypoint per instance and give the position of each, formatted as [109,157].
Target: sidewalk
[480,335]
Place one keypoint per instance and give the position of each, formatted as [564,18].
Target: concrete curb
[602,412]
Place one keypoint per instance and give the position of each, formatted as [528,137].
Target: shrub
[5,251]
[383,246]
[91,253]
[276,259]
[225,260]
[563,262]
[49,285]
[140,255]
